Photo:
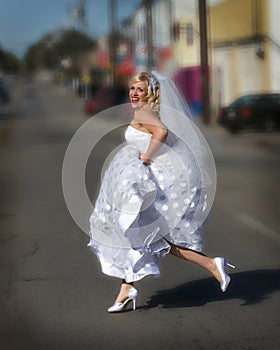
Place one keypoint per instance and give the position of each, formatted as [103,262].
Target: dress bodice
[138,138]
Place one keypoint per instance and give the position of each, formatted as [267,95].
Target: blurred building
[185,30]
[244,49]
[186,48]
[161,46]
[244,36]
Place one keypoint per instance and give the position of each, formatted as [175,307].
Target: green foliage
[52,48]
[9,63]
[73,42]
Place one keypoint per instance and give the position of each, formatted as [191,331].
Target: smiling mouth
[135,99]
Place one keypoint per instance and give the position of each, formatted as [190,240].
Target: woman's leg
[196,258]
[124,290]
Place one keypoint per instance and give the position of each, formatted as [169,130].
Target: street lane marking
[259,227]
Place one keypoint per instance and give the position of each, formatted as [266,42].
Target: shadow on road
[251,286]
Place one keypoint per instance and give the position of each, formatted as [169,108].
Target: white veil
[176,115]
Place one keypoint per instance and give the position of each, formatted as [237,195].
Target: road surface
[52,293]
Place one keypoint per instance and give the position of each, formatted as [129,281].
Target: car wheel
[270,124]
[234,129]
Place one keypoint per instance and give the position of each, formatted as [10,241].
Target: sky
[24,22]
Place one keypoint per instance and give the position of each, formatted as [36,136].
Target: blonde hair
[152,86]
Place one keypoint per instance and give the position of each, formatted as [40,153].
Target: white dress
[140,208]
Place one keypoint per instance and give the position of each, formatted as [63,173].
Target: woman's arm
[152,124]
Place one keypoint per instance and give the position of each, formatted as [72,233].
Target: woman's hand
[146,161]
[152,124]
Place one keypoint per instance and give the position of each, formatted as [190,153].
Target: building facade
[161,48]
[244,48]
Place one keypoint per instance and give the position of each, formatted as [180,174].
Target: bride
[156,192]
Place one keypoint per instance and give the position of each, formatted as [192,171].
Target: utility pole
[205,82]
[149,33]
[113,37]
[81,15]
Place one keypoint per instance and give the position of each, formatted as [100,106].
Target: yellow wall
[236,19]
[187,55]
[264,6]
[239,69]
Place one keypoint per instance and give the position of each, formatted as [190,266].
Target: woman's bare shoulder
[146,114]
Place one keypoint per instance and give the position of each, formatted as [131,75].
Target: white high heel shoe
[221,263]
[117,307]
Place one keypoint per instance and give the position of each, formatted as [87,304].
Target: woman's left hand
[146,161]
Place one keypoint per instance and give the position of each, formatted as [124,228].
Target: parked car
[4,92]
[258,111]
[105,98]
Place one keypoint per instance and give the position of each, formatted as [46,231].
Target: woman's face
[138,94]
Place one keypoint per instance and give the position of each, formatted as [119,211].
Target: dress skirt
[141,209]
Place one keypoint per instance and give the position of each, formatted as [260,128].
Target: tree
[73,42]
[9,63]
[48,52]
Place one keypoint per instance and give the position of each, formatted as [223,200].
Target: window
[189,33]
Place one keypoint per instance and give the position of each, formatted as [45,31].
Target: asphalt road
[52,293]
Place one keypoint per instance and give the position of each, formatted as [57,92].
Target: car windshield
[252,100]
[275,98]
[249,100]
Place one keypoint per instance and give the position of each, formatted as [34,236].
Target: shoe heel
[134,304]
[133,296]
[230,265]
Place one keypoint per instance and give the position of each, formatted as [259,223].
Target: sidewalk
[221,141]
[9,111]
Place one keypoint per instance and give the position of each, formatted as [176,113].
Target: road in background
[52,293]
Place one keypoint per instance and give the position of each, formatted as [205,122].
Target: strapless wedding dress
[140,208]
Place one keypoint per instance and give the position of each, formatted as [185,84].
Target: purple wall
[188,81]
